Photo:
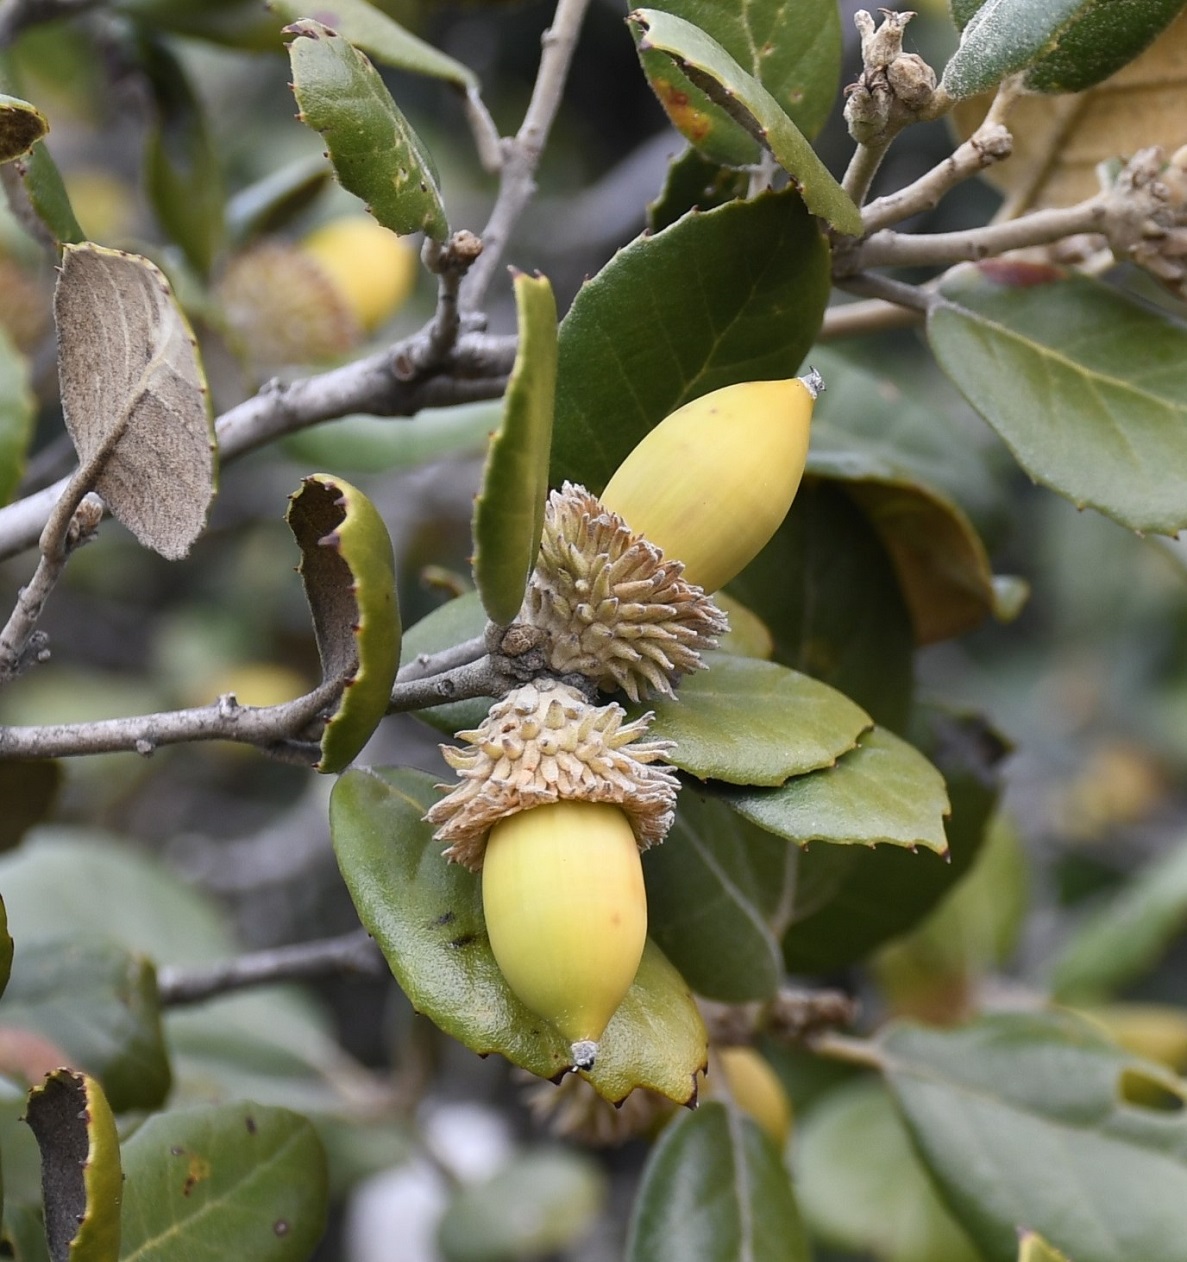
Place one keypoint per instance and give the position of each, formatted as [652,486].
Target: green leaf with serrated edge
[861,1187]
[1087,388]
[694,183]
[376,154]
[1103,37]
[1019,1117]
[701,305]
[715,1189]
[369,444]
[349,572]
[848,900]
[18,411]
[793,47]
[183,173]
[883,792]
[48,197]
[709,892]
[426,916]
[99,1003]
[827,589]
[1128,935]
[380,37]
[748,102]
[453,623]
[509,510]
[1002,37]
[273,202]
[750,722]
[21,126]
[1033,1248]
[226,1181]
[80,1167]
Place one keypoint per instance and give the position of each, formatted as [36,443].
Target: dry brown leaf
[1058,140]
[134,395]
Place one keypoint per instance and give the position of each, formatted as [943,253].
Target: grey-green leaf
[716,1190]
[1087,388]
[751,722]
[17,413]
[375,152]
[1002,37]
[884,792]
[748,102]
[509,510]
[134,395]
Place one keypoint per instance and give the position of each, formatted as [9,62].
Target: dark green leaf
[1038,1120]
[48,197]
[849,900]
[21,126]
[882,792]
[963,10]
[713,889]
[826,588]
[29,791]
[716,1190]
[1088,389]
[18,410]
[453,623]
[182,168]
[349,571]
[377,155]
[233,1180]
[271,203]
[862,1188]
[24,1232]
[381,38]
[749,104]
[240,24]
[539,1203]
[426,915]
[98,1003]
[509,510]
[694,183]
[1128,935]
[733,294]
[750,722]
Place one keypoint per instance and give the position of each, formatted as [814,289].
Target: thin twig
[449,263]
[868,285]
[279,730]
[851,1051]
[435,663]
[486,135]
[481,678]
[352,953]
[863,166]
[521,156]
[854,319]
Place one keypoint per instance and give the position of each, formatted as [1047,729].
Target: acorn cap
[613,608]
[545,743]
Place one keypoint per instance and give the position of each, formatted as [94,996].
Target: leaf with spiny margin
[349,572]
[1018,1116]
[183,173]
[21,126]
[715,1189]
[48,197]
[883,792]
[703,304]
[755,723]
[375,152]
[18,410]
[380,37]
[1087,387]
[509,510]
[714,889]
[134,395]
[711,69]
[80,1167]
[224,1181]
[98,1002]
[426,916]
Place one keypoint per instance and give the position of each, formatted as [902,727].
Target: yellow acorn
[372,268]
[711,483]
[755,1088]
[566,911]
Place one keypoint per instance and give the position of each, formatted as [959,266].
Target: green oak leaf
[18,410]
[48,197]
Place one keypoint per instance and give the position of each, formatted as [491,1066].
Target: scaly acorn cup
[566,912]
[711,483]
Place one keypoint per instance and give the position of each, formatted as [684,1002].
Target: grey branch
[281,730]
[868,285]
[482,678]
[855,319]
[352,953]
[434,663]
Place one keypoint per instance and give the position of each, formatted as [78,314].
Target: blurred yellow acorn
[755,1088]
[373,268]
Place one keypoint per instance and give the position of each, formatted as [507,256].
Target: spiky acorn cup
[613,609]
[556,800]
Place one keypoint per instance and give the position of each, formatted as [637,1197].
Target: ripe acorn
[566,911]
[711,483]
[373,269]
